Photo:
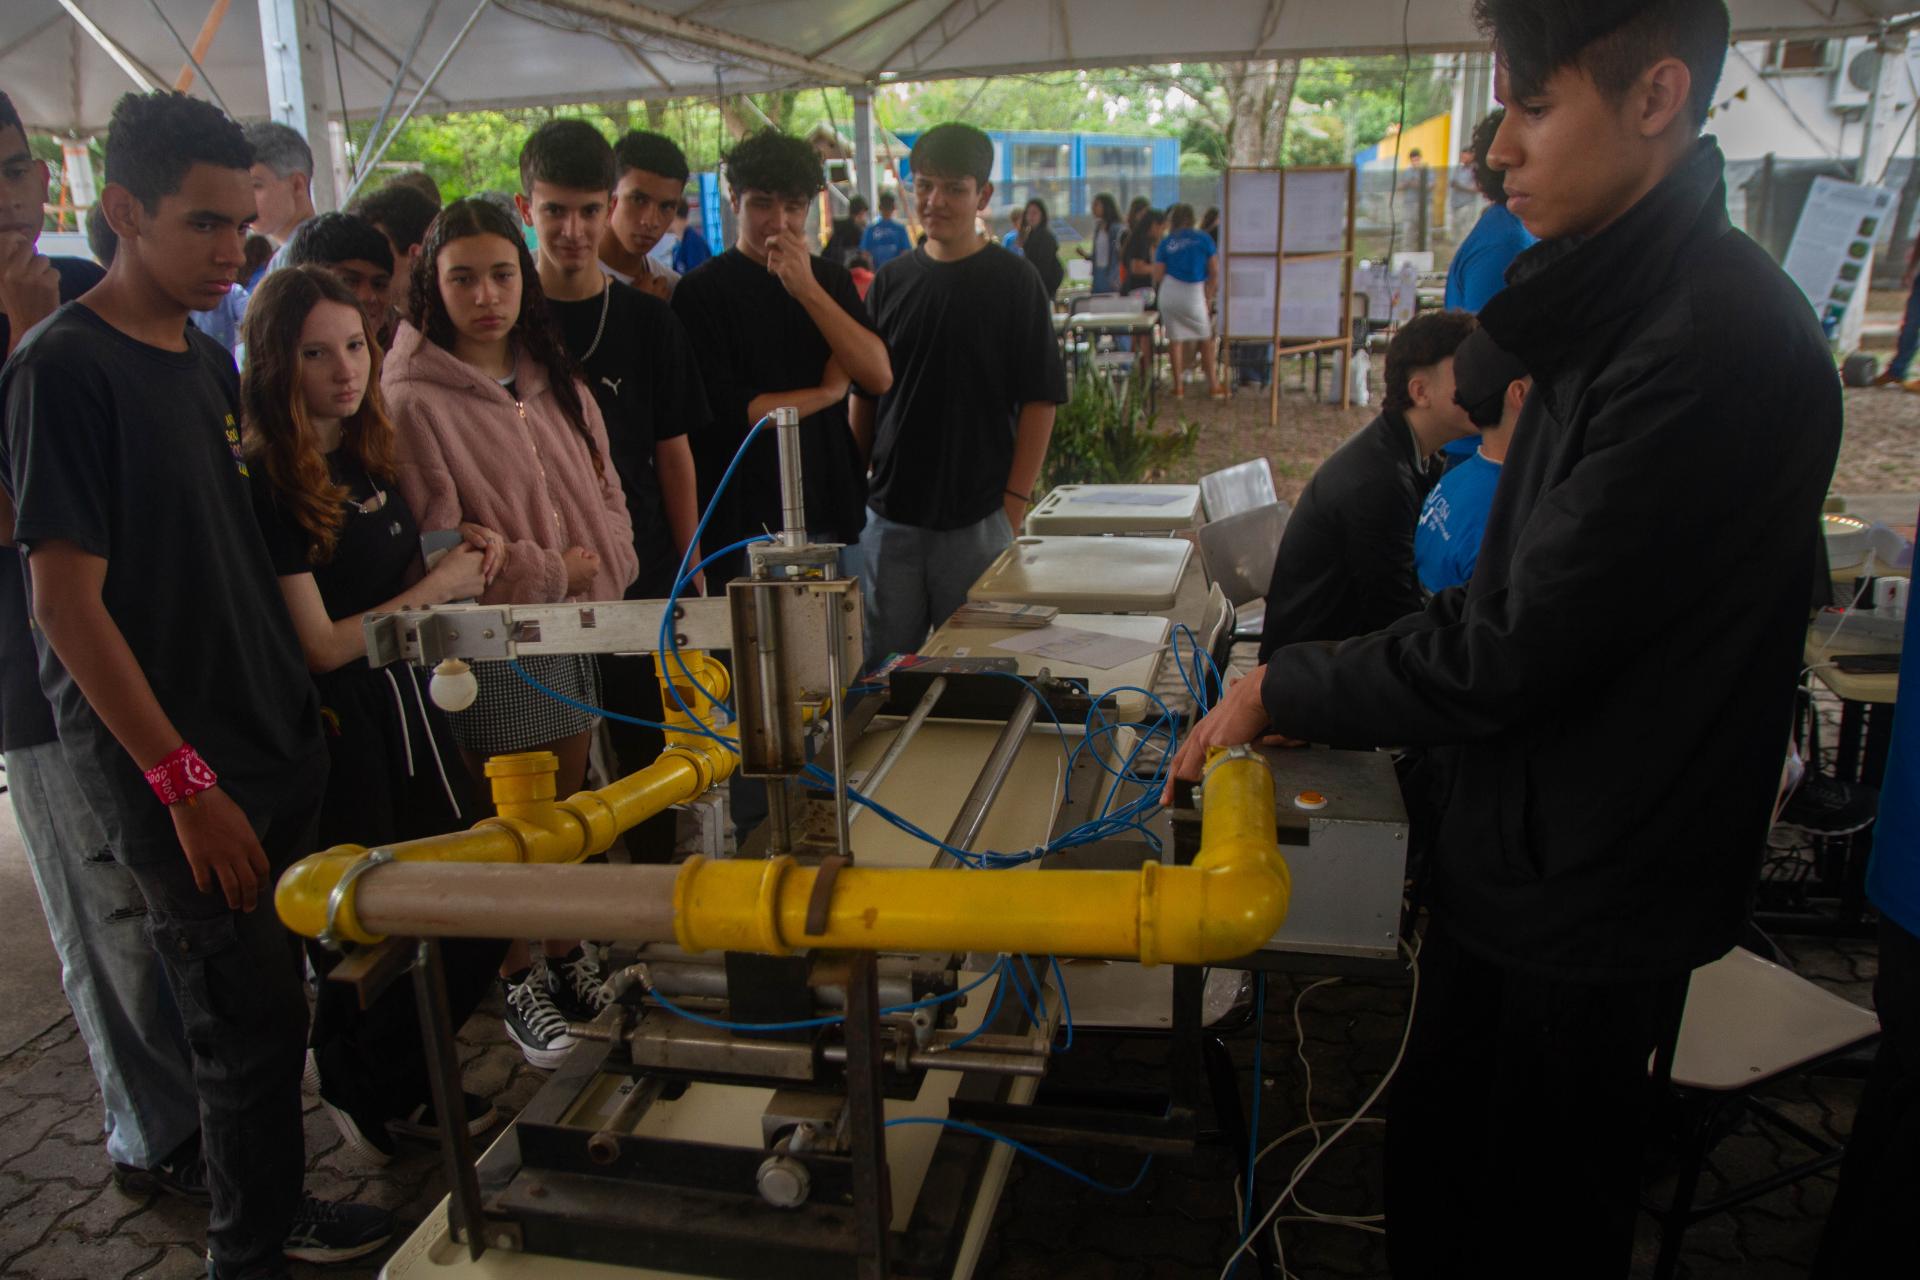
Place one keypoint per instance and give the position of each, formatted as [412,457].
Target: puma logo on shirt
[614,383]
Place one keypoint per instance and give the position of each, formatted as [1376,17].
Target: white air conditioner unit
[1853,78]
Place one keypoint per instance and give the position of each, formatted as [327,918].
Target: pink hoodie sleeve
[427,478]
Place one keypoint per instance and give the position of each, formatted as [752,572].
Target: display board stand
[1289,227]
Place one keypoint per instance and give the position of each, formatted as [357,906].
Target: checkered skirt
[511,715]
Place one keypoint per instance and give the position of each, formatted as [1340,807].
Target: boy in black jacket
[1617,729]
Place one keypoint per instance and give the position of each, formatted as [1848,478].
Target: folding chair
[1748,1022]
[1237,554]
[1240,487]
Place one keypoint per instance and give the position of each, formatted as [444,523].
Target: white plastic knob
[453,687]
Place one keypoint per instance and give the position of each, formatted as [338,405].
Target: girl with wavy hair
[320,456]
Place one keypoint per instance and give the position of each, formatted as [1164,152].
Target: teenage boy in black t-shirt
[641,369]
[169,653]
[95,914]
[957,443]
[773,325]
[650,179]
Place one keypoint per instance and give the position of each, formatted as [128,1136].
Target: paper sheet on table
[1127,498]
[1082,648]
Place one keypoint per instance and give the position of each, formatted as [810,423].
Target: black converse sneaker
[533,1021]
[336,1231]
[578,985]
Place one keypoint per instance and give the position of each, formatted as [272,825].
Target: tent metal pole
[863,141]
[209,28]
[120,57]
[458,40]
[193,62]
[296,87]
[399,77]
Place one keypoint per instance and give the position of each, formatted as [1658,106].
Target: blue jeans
[236,977]
[112,976]
[914,578]
[1909,336]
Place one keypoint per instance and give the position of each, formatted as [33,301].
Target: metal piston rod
[993,776]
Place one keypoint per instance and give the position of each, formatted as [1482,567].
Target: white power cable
[1320,1148]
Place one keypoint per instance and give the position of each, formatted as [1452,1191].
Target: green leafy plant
[1108,434]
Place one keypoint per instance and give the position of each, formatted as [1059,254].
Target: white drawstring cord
[399,704]
[433,747]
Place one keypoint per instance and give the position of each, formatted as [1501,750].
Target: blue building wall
[1068,169]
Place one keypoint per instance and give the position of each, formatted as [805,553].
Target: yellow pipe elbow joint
[1235,895]
[1226,905]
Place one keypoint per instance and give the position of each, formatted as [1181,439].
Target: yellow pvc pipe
[1227,904]
[529,825]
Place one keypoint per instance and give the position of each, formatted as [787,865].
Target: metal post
[121,57]
[866,1115]
[400,76]
[993,774]
[464,1213]
[426,87]
[296,85]
[836,713]
[793,497]
[863,141]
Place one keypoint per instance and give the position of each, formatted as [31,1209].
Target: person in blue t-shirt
[1186,267]
[693,248]
[885,239]
[1490,385]
[1480,264]
[1871,1219]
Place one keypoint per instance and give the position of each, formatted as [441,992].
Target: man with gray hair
[282,187]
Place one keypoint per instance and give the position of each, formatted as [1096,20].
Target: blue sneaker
[336,1231]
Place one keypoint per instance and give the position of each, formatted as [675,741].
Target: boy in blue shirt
[1490,385]
[885,239]
[1479,269]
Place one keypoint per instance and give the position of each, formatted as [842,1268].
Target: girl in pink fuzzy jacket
[493,429]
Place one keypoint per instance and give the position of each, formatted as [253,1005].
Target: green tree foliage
[1340,106]
[1106,434]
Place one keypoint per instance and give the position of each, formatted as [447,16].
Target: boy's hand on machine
[221,848]
[581,564]
[1238,719]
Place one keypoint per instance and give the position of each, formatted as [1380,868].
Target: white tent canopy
[527,52]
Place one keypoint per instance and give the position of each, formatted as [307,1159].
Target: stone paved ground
[61,1219]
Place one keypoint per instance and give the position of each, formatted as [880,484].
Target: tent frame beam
[645,21]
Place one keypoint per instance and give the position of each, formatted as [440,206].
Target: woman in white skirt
[1186,266]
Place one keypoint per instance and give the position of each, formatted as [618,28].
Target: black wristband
[1023,497]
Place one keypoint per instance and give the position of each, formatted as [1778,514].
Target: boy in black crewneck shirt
[957,443]
[774,325]
[181,698]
